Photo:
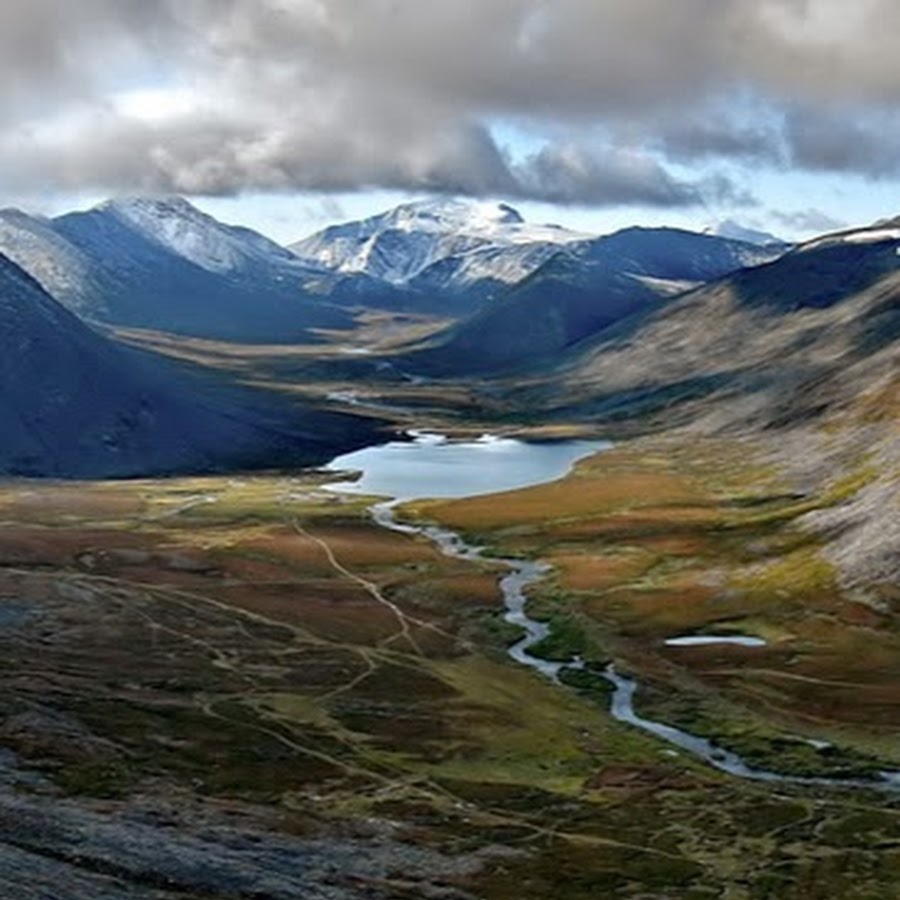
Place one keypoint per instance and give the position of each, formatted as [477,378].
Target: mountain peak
[147,201]
[467,216]
[186,230]
[735,231]
[137,207]
[472,240]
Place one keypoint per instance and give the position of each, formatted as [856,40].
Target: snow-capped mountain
[162,264]
[193,235]
[429,245]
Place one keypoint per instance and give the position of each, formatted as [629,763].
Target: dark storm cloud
[347,94]
[845,141]
[221,157]
[691,139]
[573,175]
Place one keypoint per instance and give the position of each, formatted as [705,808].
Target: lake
[432,465]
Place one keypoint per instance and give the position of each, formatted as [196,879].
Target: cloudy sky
[284,114]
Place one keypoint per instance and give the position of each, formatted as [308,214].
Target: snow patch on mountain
[185,230]
[162,264]
[872,235]
[471,240]
[59,267]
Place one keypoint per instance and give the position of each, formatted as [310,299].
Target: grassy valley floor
[248,669]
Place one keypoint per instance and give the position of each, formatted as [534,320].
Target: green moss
[863,828]
[566,640]
[761,746]
[767,816]
[492,551]
[844,488]
[589,682]
[497,630]
[549,602]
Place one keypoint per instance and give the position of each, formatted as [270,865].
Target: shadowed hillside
[75,404]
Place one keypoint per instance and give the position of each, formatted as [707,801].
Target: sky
[287,115]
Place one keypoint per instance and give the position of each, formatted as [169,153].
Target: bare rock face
[149,850]
[864,531]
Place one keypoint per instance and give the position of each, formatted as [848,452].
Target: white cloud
[400,94]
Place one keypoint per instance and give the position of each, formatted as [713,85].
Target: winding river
[432,466]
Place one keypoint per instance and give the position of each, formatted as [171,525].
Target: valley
[449,451]
[221,665]
[208,667]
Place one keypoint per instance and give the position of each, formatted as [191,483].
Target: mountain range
[584,289]
[602,328]
[810,315]
[162,264]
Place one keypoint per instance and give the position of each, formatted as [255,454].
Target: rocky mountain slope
[32,243]
[75,404]
[828,303]
[801,355]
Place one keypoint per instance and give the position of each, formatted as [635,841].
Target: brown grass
[576,497]
[593,572]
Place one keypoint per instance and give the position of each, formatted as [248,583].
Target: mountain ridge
[162,264]
[580,291]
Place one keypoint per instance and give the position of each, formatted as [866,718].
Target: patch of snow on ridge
[445,215]
[497,221]
[878,234]
[198,237]
[863,236]
[476,239]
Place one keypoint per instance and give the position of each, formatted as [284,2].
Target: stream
[431,466]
